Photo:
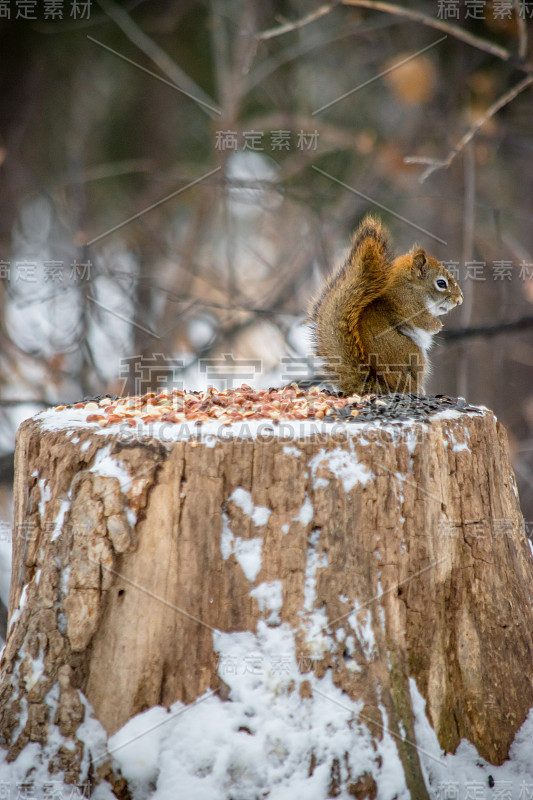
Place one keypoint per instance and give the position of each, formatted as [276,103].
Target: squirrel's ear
[420,262]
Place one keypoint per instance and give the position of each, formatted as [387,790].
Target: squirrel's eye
[441,283]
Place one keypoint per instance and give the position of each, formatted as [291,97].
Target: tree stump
[310,594]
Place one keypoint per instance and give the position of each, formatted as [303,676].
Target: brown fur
[371,323]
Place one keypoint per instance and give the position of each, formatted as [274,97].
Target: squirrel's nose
[460,299]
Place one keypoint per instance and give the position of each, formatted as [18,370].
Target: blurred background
[177,178]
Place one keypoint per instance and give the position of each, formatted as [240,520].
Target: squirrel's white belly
[422,338]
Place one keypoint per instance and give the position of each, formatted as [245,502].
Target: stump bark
[384,555]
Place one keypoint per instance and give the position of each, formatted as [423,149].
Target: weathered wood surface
[412,533]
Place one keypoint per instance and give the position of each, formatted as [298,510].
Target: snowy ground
[263,739]
[260,744]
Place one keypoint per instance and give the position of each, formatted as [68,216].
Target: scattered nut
[247,404]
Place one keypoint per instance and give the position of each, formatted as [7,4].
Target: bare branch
[434,22]
[157,55]
[510,326]
[398,11]
[462,370]
[110,170]
[436,164]
[319,39]
[299,23]
[522,30]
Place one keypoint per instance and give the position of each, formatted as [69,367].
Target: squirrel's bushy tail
[368,265]
[371,252]
[337,312]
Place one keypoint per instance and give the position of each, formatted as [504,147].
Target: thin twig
[399,11]
[312,42]
[469,223]
[110,170]
[158,56]
[522,29]
[433,22]
[436,164]
[299,23]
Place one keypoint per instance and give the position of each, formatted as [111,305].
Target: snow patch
[314,561]
[457,446]
[317,633]
[411,440]
[464,768]
[18,611]
[362,627]
[63,584]
[248,552]
[263,739]
[289,450]
[33,761]
[349,655]
[58,522]
[449,413]
[306,513]
[106,466]
[67,419]
[344,465]
[37,666]
[136,747]
[258,514]
[269,597]
[46,494]
[227,538]
[314,621]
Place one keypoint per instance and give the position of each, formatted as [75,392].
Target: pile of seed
[240,405]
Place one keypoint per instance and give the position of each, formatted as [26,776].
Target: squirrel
[374,320]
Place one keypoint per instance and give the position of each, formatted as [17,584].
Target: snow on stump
[292,607]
